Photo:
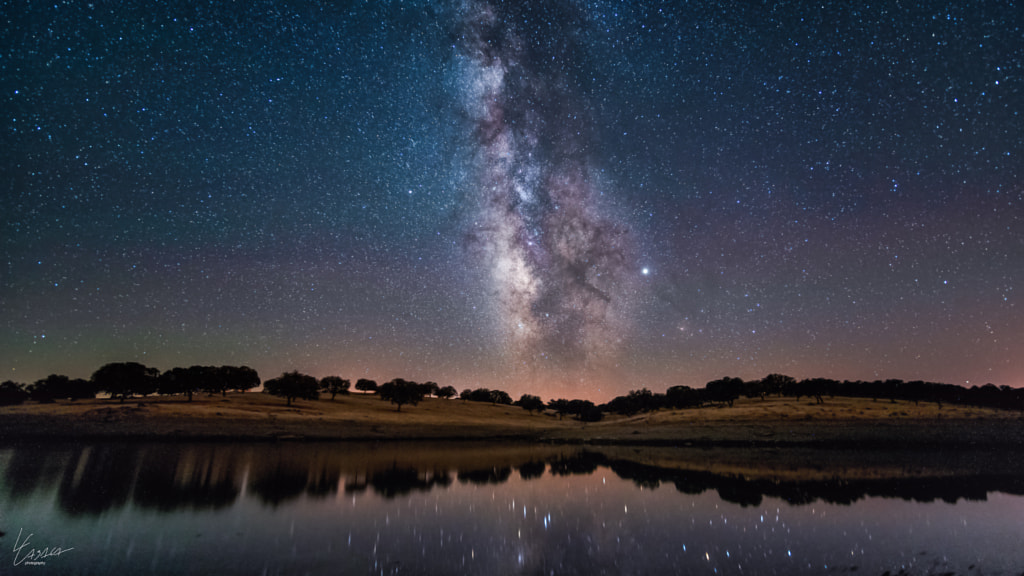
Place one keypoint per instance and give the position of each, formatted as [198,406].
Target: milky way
[559,261]
[542,196]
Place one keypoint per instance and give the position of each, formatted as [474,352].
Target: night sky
[562,198]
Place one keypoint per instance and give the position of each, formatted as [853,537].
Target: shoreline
[840,424]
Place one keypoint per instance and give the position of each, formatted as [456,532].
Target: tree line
[123,380]
[725,391]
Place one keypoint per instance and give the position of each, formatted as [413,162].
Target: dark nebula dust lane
[560,259]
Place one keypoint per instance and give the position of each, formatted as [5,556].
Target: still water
[289,508]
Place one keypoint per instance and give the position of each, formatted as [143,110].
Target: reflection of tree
[688,485]
[279,484]
[584,463]
[947,490]
[98,479]
[532,469]
[95,479]
[397,481]
[170,479]
[166,477]
[738,491]
[797,494]
[493,475]
[323,482]
[747,492]
[356,485]
[643,476]
[442,479]
[31,470]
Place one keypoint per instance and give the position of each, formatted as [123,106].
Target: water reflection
[94,479]
[473,508]
[751,492]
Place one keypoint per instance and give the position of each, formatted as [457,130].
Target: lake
[407,508]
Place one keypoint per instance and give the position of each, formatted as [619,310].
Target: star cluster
[544,197]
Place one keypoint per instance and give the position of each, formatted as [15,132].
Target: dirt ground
[838,422]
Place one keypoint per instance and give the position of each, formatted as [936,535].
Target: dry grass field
[838,422]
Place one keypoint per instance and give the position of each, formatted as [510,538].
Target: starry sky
[556,197]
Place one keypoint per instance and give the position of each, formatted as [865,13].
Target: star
[519,195]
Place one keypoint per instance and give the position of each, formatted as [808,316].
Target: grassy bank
[840,422]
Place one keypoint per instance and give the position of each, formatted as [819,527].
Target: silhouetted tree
[400,392]
[560,407]
[194,379]
[684,397]
[988,395]
[586,411]
[479,395]
[237,378]
[622,405]
[125,379]
[447,392]
[59,387]
[175,381]
[429,389]
[530,403]
[208,379]
[80,389]
[365,385]
[753,389]
[724,390]
[636,401]
[894,389]
[292,385]
[12,393]
[334,385]
[45,390]
[579,408]
[205,379]
[775,384]
[814,387]
[500,397]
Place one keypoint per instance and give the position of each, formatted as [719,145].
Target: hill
[839,422]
